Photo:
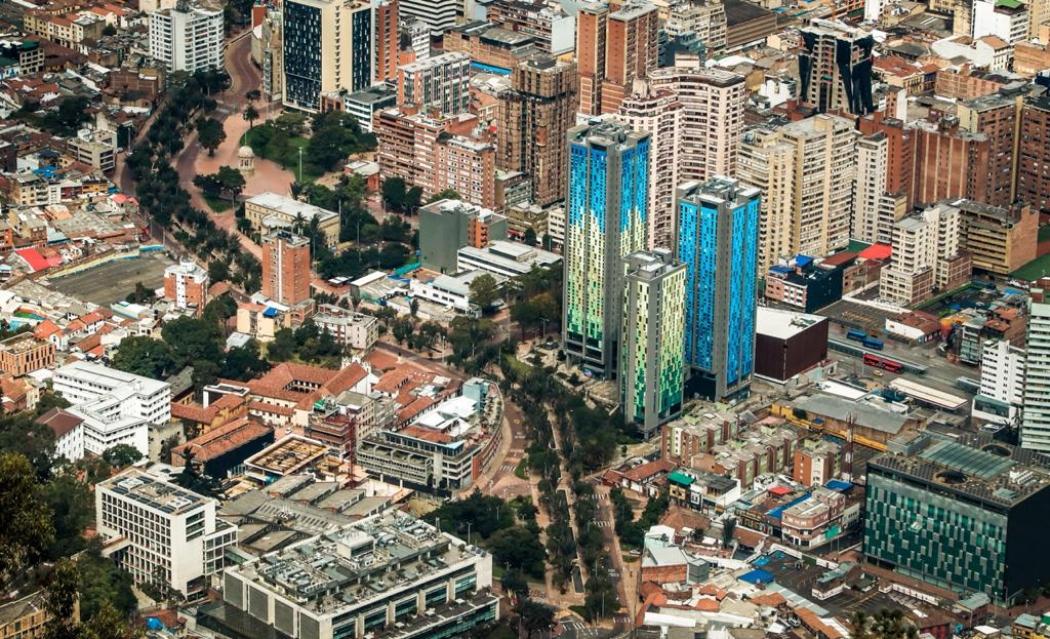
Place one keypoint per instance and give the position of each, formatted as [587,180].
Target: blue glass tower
[718,243]
[606,213]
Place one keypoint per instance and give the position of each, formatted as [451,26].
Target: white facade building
[1002,383]
[1007,21]
[1035,421]
[436,14]
[187,38]
[503,258]
[188,284]
[356,330]
[450,291]
[84,382]
[168,535]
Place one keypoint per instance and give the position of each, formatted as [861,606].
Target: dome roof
[245,152]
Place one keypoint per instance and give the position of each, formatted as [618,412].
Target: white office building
[1035,420]
[506,259]
[84,382]
[161,533]
[436,14]
[452,292]
[187,38]
[1007,21]
[1002,383]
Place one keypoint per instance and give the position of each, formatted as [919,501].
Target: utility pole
[300,166]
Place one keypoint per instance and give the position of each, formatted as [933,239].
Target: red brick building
[286,268]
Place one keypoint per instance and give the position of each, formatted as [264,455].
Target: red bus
[883,363]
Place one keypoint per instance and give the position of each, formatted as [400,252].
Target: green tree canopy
[193,339]
[484,291]
[28,529]
[145,356]
[210,134]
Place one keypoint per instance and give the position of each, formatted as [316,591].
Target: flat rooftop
[287,456]
[147,490]
[343,570]
[290,207]
[783,324]
[973,466]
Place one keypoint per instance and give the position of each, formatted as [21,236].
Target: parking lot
[112,282]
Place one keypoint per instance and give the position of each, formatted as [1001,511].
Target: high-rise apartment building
[713,103]
[706,20]
[328,47]
[1033,165]
[534,119]
[286,267]
[631,50]
[1035,416]
[387,39]
[926,257]
[187,38]
[437,84]
[615,45]
[170,536]
[997,116]
[606,212]
[718,243]
[658,112]
[805,172]
[960,514]
[591,26]
[999,240]
[186,285]
[950,162]
[835,67]
[875,207]
[652,371]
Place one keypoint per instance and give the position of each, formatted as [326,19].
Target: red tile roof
[33,258]
[877,252]
[59,421]
[646,471]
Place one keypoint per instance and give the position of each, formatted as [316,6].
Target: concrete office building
[652,371]
[357,331]
[1035,420]
[186,285]
[805,172]
[439,83]
[446,226]
[534,118]
[980,503]
[999,240]
[1007,20]
[713,103]
[401,578]
[658,112]
[437,15]
[327,47]
[167,536]
[286,267]
[187,38]
[835,67]
[84,382]
[1002,383]
[718,243]
[606,212]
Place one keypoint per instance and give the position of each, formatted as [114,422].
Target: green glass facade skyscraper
[651,360]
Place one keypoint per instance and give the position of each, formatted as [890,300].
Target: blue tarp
[270,312]
[488,68]
[803,260]
[757,577]
[838,485]
[154,624]
[779,510]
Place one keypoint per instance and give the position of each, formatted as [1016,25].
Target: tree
[484,291]
[413,199]
[530,237]
[231,181]
[193,339]
[73,508]
[210,134]
[393,194]
[141,295]
[517,548]
[403,329]
[283,346]
[447,194]
[205,373]
[514,583]
[60,600]
[107,623]
[251,115]
[535,617]
[27,529]
[122,455]
[244,363]
[48,400]
[144,356]
[102,584]
[218,271]
[728,527]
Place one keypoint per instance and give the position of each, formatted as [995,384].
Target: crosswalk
[601,523]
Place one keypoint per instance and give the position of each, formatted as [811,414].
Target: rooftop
[287,456]
[344,570]
[783,324]
[972,466]
[291,207]
[146,489]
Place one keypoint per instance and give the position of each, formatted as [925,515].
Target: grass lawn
[521,471]
[1035,269]
[217,204]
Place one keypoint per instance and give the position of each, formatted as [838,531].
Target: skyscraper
[328,46]
[534,119]
[286,267]
[186,38]
[835,67]
[805,171]
[1033,178]
[614,47]
[606,219]
[718,243]
[439,83]
[1035,416]
[591,24]
[386,39]
[651,358]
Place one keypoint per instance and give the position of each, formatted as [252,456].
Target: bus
[884,363]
